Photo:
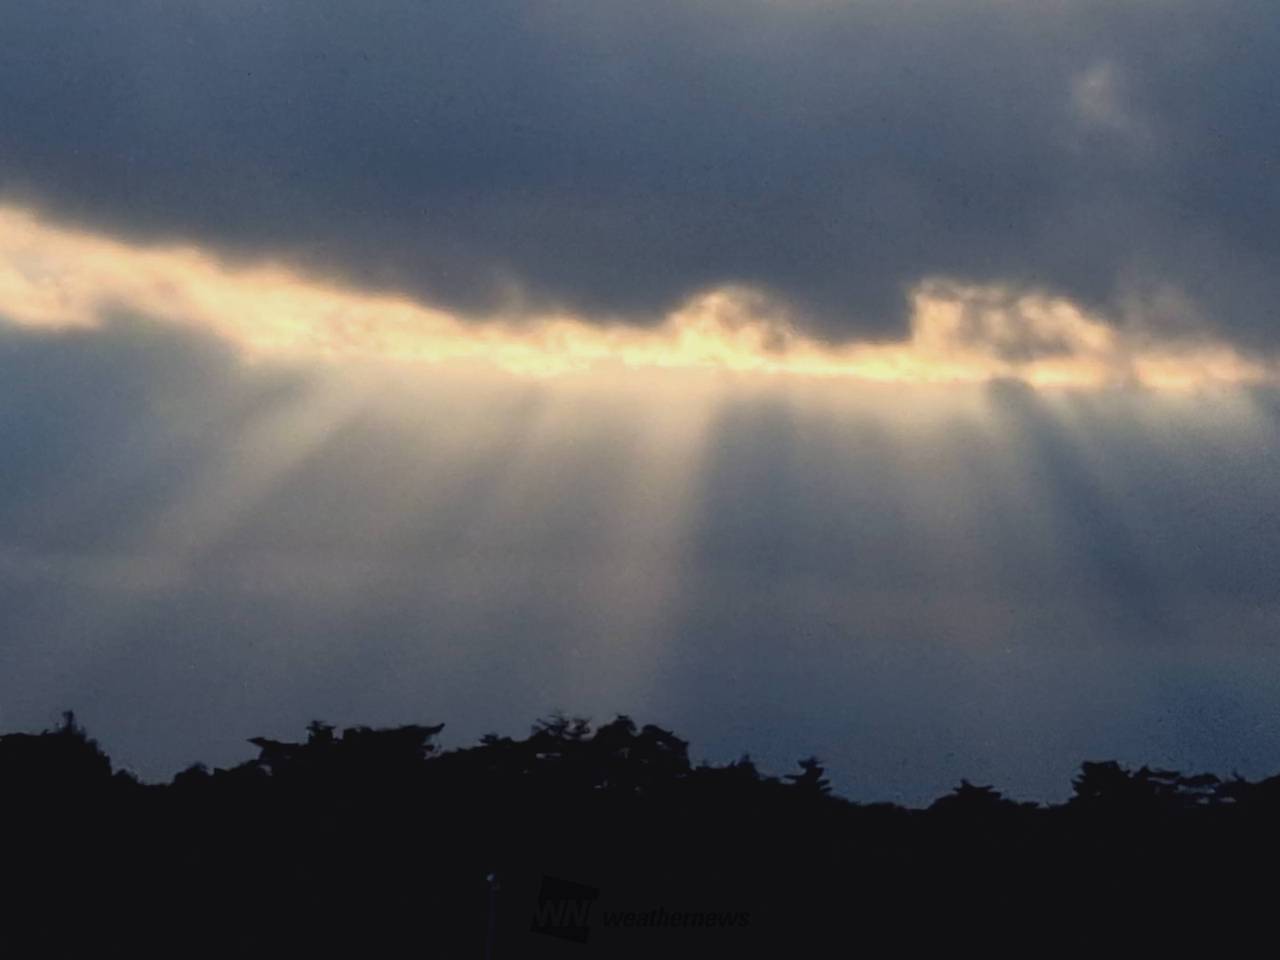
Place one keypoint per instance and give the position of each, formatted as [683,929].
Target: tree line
[380,841]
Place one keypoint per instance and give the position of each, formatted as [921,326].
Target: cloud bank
[614,160]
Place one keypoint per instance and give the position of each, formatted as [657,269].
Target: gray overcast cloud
[614,158]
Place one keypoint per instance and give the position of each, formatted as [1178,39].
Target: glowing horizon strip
[58,277]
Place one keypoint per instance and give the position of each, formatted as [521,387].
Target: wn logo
[564,910]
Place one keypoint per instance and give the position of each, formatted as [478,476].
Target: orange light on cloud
[58,277]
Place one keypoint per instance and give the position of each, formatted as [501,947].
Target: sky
[896,382]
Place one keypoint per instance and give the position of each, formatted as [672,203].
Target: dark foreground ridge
[577,842]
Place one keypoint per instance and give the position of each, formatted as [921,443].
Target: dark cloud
[615,157]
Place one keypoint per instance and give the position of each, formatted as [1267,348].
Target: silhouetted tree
[811,778]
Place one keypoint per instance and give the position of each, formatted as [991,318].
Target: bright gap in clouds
[56,276]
